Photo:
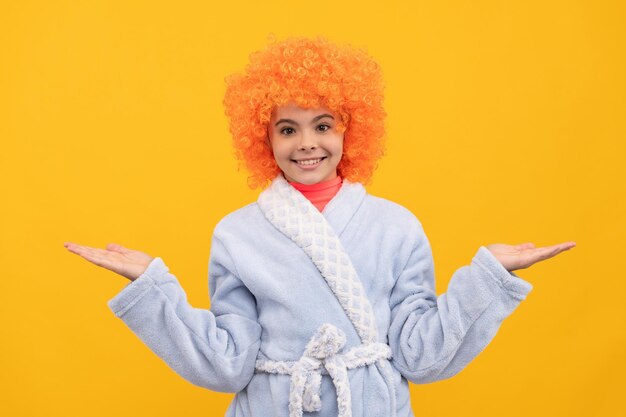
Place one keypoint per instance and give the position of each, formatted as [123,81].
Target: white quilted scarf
[296,217]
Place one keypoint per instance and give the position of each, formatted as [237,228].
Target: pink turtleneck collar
[321,193]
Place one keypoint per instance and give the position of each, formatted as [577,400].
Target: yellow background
[506,124]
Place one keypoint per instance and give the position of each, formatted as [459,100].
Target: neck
[321,193]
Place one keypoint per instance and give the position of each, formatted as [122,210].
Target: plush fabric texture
[293,215]
[270,303]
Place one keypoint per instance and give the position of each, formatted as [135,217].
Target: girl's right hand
[126,262]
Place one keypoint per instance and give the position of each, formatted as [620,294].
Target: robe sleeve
[433,338]
[214,349]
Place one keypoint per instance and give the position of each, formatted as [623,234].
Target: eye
[283,131]
[327,127]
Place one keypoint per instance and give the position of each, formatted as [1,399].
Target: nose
[307,141]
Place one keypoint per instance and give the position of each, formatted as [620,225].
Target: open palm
[126,262]
[522,256]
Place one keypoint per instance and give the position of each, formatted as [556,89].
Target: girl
[322,295]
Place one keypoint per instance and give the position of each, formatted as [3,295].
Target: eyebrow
[315,119]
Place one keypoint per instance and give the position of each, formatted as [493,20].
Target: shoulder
[245,214]
[395,228]
[244,220]
[392,214]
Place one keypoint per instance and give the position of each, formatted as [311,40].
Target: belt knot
[326,342]
[306,377]
[324,352]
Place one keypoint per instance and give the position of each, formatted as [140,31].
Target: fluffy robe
[268,299]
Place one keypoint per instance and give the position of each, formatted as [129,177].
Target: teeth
[309,162]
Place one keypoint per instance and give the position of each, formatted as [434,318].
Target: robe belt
[322,352]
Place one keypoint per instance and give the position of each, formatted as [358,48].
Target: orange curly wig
[312,73]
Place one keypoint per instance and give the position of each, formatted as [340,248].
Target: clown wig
[311,73]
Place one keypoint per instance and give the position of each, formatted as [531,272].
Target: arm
[433,338]
[214,349]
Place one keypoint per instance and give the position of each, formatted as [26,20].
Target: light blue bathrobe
[268,298]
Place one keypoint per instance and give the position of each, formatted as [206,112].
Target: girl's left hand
[524,255]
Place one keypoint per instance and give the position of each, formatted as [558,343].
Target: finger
[88,253]
[547,252]
[117,248]
[527,245]
[94,255]
[556,249]
[74,247]
[80,249]
[70,245]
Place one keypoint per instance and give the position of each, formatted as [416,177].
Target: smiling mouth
[305,162]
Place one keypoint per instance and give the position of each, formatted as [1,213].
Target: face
[306,145]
